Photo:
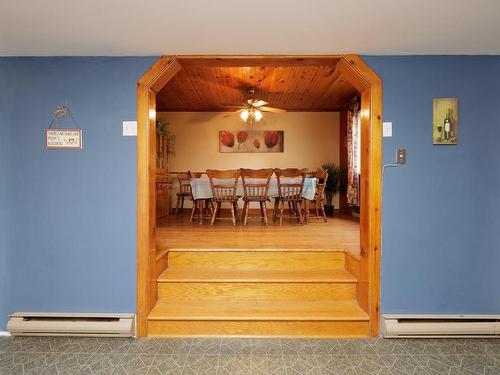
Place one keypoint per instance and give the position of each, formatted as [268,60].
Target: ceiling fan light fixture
[258,115]
[244,115]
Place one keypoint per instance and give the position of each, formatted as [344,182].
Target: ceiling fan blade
[259,103]
[272,109]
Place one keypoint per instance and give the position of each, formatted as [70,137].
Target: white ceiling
[155,27]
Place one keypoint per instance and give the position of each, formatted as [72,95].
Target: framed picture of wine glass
[445,121]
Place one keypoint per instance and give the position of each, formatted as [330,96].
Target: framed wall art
[445,121]
[251,141]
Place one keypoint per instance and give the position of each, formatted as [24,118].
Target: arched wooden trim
[147,87]
[369,85]
[357,73]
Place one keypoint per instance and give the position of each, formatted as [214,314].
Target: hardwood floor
[339,233]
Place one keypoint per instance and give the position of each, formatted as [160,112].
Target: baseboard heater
[414,326]
[71,324]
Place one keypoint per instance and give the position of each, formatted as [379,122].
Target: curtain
[353,143]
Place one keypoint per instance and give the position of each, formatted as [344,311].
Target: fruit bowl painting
[251,141]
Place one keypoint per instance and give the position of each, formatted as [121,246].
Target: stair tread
[251,249]
[263,276]
[345,310]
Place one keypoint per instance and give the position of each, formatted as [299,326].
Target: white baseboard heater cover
[71,324]
[413,326]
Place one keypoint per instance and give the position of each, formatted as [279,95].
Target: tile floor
[59,355]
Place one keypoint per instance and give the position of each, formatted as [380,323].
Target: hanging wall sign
[69,139]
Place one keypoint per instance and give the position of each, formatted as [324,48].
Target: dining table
[201,189]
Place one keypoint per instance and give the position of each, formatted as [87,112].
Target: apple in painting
[227,138]
[271,139]
[242,136]
[256,143]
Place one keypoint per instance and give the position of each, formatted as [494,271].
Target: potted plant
[167,138]
[332,185]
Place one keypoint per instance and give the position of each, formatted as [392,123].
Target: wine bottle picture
[445,121]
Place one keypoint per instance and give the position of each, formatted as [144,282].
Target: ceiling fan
[251,111]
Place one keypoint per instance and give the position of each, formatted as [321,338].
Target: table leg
[201,209]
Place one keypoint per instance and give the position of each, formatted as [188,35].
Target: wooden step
[244,259]
[259,310]
[185,285]
[207,291]
[256,276]
[259,319]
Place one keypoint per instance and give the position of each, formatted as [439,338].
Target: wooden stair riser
[245,328]
[256,260]
[168,292]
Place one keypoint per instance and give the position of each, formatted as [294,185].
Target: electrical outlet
[401,156]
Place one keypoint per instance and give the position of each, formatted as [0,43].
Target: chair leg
[233,217]
[282,205]
[193,210]
[323,212]
[245,213]
[177,204]
[182,204]
[236,211]
[290,209]
[299,211]
[265,212]
[214,214]
[316,207]
[294,209]
[211,207]
[275,209]
[261,211]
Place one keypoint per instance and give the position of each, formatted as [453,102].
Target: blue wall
[67,218]
[441,234]
[72,213]
[5,173]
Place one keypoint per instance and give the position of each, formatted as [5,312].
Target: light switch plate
[129,128]
[387,129]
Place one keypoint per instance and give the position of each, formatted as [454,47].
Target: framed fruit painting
[251,141]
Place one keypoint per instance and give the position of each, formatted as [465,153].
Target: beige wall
[310,139]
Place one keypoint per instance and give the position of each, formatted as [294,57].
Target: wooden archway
[358,73]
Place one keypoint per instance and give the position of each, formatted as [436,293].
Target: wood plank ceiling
[223,88]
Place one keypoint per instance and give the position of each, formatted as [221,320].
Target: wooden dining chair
[200,206]
[319,196]
[184,191]
[224,185]
[290,187]
[255,189]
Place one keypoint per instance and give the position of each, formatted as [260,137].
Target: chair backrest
[184,183]
[291,182]
[321,178]
[223,184]
[256,183]
[194,175]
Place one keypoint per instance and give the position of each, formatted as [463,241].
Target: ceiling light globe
[244,115]
[258,115]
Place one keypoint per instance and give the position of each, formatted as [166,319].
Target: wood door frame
[357,72]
